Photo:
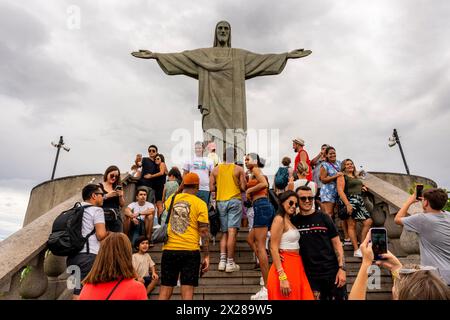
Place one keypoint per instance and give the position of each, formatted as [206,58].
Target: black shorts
[85,262]
[180,262]
[325,289]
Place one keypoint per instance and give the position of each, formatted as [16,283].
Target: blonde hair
[114,260]
[421,285]
[302,168]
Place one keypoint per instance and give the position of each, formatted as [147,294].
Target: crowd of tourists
[293,224]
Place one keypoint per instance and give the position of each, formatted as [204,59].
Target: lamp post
[393,140]
[58,145]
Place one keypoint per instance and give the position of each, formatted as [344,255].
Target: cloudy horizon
[375,66]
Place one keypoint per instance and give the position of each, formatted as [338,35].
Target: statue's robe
[221,74]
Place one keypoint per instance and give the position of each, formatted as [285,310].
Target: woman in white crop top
[287,279]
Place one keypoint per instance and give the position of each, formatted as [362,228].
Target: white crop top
[289,239]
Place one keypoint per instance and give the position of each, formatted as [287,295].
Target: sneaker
[260,295]
[347,242]
[231,267]
[222,265]
[357,253]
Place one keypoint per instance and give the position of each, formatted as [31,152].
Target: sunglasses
[306,198]
[99,193]
[114,176]
[404,271]
[293,203]
[152,150]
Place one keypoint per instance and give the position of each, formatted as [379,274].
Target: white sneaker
[222,265]
[357,253]
[231,267]
[260,295]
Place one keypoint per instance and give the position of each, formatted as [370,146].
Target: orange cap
[191,179]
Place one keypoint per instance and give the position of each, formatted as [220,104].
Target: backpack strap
[90,233]
[114,289]
[307,182]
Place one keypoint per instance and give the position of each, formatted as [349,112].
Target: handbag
[161,234]
[111,215]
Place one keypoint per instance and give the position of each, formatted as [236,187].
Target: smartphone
[118,187]
[379,242]
[419,191]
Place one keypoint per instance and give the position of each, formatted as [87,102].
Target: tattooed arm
[203,228]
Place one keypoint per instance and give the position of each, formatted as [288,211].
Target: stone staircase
[217,285]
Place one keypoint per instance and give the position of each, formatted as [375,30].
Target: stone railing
[27,269]
[387,200]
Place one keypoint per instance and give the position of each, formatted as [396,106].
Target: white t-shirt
[136,208]
[202,166]
[91,217]
[142,264]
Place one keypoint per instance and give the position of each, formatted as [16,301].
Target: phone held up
[379,242]
[419,191]
[118,187]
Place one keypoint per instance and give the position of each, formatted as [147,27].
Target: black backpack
[66,238]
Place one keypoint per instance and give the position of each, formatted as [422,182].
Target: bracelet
[282,277]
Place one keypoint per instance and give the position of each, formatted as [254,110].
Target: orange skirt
[293,267]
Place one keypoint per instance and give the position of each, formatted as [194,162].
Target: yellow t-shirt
[183,232]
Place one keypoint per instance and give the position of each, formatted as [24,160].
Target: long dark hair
[260,161]
[176,173]
[110,169]
[282,198]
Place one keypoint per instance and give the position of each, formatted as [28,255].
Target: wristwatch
[342,267]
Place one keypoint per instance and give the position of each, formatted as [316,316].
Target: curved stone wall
[49,194]
[403,181]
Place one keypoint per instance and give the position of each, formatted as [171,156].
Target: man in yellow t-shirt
[188,222]
[228,180]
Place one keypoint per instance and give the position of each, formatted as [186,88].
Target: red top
[308,162]
[128,289]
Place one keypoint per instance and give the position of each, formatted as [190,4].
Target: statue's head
[222,37]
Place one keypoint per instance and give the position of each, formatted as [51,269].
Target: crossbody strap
[170,207]
[114,289]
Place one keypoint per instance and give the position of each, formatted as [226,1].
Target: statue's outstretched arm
[298,53]
[144,54]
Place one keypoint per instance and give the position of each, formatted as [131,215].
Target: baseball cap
[191,179]
[300,141]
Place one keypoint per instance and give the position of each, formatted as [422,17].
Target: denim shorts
[204,195]
[264,213]
[230,214]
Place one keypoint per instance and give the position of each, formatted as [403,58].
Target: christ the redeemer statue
[221,72]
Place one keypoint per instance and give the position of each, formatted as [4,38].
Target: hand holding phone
[379,242]
[419,191]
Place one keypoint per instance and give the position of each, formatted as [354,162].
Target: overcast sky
[375,66]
